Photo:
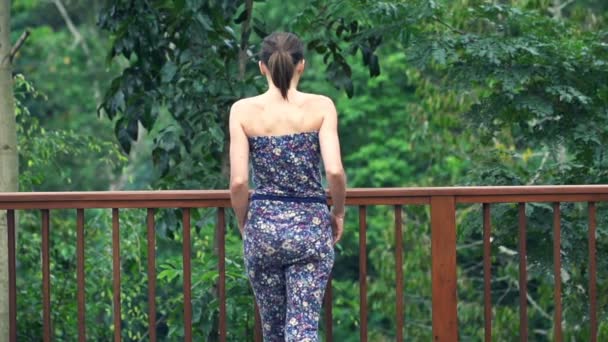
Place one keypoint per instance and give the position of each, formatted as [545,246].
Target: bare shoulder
[321,103]
[243,106]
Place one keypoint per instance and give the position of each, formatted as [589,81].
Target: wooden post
[443,274]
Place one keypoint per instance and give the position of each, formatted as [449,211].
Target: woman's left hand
[337,225]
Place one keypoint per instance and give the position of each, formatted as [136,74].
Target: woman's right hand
[337,226]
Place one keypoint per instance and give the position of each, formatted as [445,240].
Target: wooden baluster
[151,276]
[592,272]
[363,273]
[487,269]
[116,273]
[80,274]
[557,262]
[186,255]
[46,278]
[523,276]
[12,275]
[399,272]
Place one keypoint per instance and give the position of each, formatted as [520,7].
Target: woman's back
[284,143]
[271,115]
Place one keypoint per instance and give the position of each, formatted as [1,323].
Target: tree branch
[18,45]
[540,169]
[452,28]
[68,21]
[566,4]
[245,33]
[556,9]
[469,245]
[537,307]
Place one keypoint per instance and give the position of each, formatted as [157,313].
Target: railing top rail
[351,192]
[221,198]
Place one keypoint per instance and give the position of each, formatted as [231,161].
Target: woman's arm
[239,167]
[330,152]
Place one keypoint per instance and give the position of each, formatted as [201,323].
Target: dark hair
[281,52]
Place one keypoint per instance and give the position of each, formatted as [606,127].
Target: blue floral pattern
[288,246]
[287,164]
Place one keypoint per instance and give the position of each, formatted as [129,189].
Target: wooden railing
[442,202]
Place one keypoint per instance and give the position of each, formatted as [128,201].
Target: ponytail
[281,52]
[281,68]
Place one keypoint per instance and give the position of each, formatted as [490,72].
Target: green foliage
[539,113]
[539,84]
[69,75]
[187,57]
[429,93]
[42,152]
[183,57]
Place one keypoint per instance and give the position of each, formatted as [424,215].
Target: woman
[288,229]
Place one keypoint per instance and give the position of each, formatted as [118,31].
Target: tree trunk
[8,155]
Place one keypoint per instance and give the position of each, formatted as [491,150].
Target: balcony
[442,203]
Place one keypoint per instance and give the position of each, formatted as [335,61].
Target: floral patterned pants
[289,255]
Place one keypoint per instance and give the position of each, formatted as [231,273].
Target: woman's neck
[273,91]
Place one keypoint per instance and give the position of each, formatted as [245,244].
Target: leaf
[122,135]
[569,94]
[132,129]
[194,5]
[374,66]
[168,72]
[161,159]
[241,17]
[439,56]
[169,274]
[339,73]
[204,21]
[535,104]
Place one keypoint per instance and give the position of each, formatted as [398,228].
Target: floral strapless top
[287,165]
